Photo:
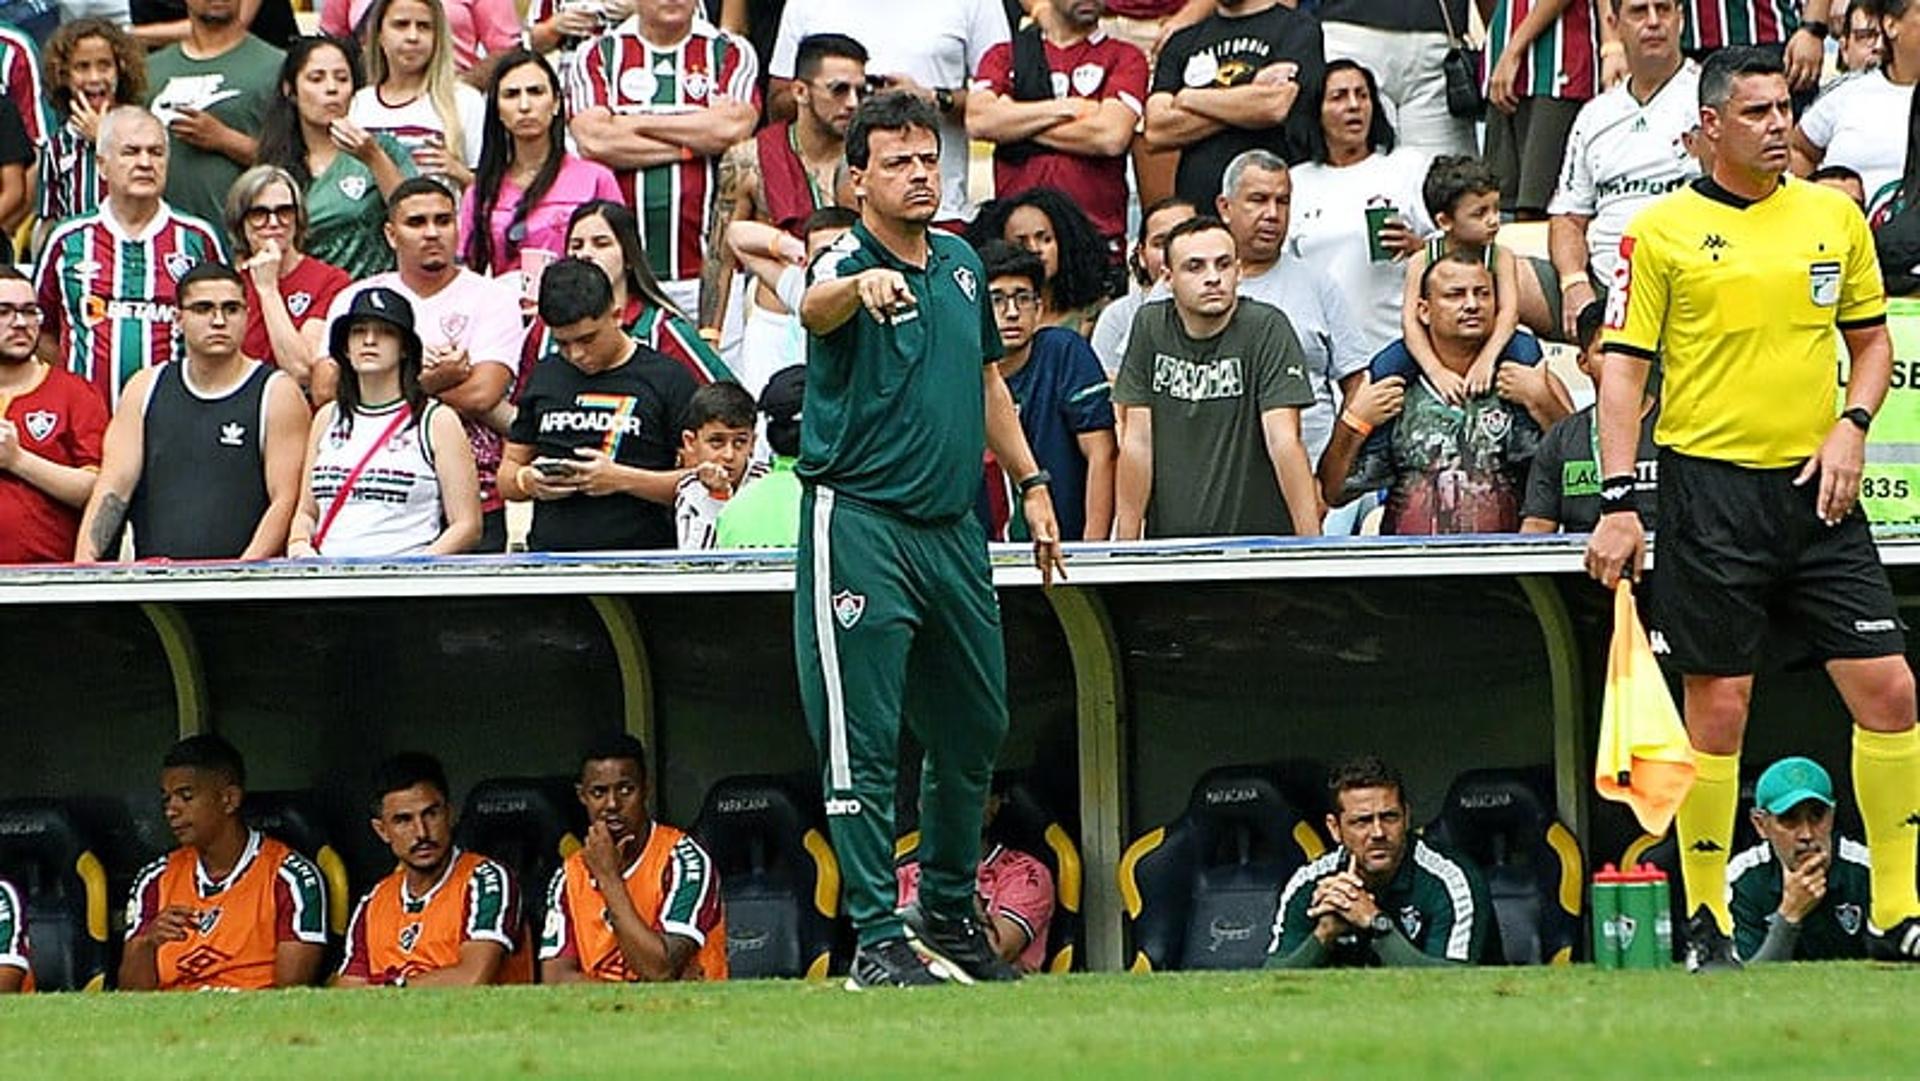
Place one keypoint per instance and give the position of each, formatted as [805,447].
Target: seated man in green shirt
[1381,897]
[766,513]
[1801,894]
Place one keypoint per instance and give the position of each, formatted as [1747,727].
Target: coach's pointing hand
[1842,456]
[884,293]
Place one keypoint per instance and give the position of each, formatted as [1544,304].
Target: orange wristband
[1360,427]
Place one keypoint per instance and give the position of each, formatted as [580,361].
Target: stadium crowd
[1310,315]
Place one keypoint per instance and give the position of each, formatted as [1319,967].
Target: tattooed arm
[737,200]
[121,456]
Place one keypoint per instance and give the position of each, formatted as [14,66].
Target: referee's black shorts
[1739,548]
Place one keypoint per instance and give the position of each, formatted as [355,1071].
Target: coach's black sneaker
[892,963]
[1901,942]
[955,948]
[1708,948]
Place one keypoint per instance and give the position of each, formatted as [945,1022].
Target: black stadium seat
[1503,821]
[530,824]
[294,819]
[1201,891]
[778,876]
[1025,824]
[44,853]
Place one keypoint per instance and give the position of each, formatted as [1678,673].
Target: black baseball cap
[383,305]
[781,399]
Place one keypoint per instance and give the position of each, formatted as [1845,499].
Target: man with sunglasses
[51,424]
[1802,893]
[106,279]
[786,171]
[204,461]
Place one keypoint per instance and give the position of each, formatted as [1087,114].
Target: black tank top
[203,485]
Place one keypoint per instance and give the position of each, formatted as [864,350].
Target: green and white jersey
[347,215]
[896,411]
[1438,900]
[13,927]
[1837,926]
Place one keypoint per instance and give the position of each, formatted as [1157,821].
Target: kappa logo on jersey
[1658,643]
[1714,242]
[848,607]
[41,423]
[298,303]
[409,937]
[233,434]
[1087,79]
[207,920]
[1848,916]
[963,277]
[353,187]
[178,263]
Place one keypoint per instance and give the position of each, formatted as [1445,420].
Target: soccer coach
[894,609]
[1737,284]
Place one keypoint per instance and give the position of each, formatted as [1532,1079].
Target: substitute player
[1737,283]
[443,918]
[231,908]
[894,609]
[667,923]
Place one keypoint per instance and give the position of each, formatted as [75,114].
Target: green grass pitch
[1797,1022]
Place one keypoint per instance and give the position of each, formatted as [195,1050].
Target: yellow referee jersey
[1739,302]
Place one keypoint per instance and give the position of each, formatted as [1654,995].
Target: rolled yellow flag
[1643,758]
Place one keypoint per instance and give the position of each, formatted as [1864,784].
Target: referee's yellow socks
[1705,822]
[1886,782]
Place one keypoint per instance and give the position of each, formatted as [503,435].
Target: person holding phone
[1382,897]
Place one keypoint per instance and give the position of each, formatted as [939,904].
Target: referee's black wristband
[1616,494]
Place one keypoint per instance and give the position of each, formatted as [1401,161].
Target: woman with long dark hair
[606,233]
[345,171]
[527,186]
[1048,224]
[1358,208]
[389,471]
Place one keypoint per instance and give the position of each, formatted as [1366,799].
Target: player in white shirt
[1628,147]
[931,47]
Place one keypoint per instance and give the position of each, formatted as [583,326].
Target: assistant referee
[1736,284]
[894,611]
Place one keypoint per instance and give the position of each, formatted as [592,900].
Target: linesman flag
[1644,759]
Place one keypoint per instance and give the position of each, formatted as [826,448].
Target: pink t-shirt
[579,181]
[478,27]
[1011,884]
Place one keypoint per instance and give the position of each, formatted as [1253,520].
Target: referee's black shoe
[892,963]
[1708,948]
[1901,942]
[955,947]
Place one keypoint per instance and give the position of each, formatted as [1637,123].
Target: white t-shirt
[1860,122]
[937,43]
[394,505]
[415,124]
[1329,233]
[1311,302]
[1622,155]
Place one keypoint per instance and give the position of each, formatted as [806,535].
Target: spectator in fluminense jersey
[51,425]
[92,65]
[204,460]
[1539,76]
[106,280]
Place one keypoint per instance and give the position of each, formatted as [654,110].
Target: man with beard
[781,176]
[640,901]
[51,425]
[231,908]
[106,279]
[1382,897]
[211,91]
[204,461]
[1801,894]
[1060,102]
[443,918]
[469,324]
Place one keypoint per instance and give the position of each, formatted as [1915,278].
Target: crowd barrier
[1149,665]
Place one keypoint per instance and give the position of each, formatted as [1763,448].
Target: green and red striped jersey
[109,295]
[1562,63]
[624,73]
[655,328]
[1714,24]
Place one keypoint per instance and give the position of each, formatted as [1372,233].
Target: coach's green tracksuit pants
[896,619]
